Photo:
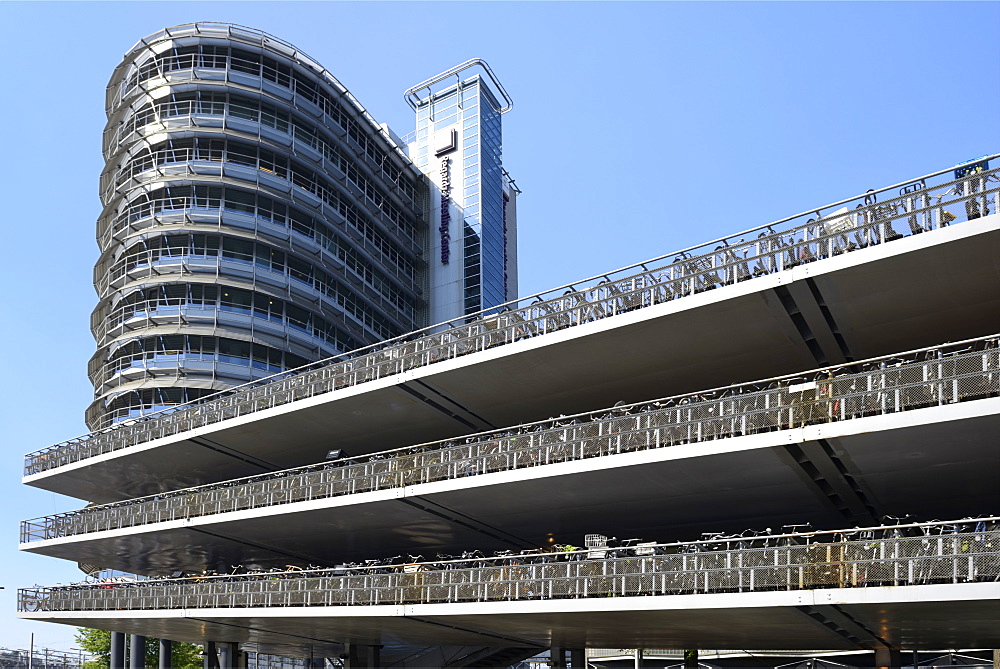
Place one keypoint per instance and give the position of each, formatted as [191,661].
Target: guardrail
[963,551]
[42,658]
[829,231]
[928,377]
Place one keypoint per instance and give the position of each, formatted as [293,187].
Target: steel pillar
[117,650]
[229,655]
[362,657]
[578,658]
[166,652]
[888,658]
[557,657]
[136,651]
[211,656]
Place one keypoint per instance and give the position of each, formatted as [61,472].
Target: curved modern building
[256,218]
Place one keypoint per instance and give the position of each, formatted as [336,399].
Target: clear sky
[638,129]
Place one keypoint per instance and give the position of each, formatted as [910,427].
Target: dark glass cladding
[255,220]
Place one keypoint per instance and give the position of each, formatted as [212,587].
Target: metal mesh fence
[930,377]
[919,554]
[920,206]
[41,658]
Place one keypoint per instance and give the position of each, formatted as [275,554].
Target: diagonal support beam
[843,625]
[445,404]
[459,518]
[814,322]
[830,477]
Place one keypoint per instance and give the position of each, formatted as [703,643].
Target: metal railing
[41,658]
[916,554]
[120,91]
[829,231]
[147,165]
[929,377]
[224,213]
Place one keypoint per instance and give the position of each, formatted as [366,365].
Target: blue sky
[638,129]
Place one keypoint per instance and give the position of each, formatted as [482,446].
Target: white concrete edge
[756,285]
[885,423]
[958,593]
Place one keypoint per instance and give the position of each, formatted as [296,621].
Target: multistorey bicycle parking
[958,372]
[938,552]
[919,206]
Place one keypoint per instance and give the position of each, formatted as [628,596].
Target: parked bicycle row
[958,551]
[774,248]
[940,375]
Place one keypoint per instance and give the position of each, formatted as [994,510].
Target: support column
[362,657]
[557,657]
[691,659]
[229,654]
[211,655]
[888,658]
[578,658]
[996,659]
[638,658]
[166,651]
[117,650]
[136,651]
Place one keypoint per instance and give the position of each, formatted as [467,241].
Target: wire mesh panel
[918,554]
[930,377]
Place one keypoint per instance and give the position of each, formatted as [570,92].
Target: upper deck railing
[928,377]
[908,208]
[964,551]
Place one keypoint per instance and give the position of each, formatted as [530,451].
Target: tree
[98,644]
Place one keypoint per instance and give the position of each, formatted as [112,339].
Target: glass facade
[471,111]
[255,219]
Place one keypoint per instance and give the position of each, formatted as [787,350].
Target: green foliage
[98,644]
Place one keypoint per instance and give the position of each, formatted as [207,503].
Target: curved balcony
[256,212]
[288,75]
[242,117]
[271,170]
[925,205]
[185,254]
